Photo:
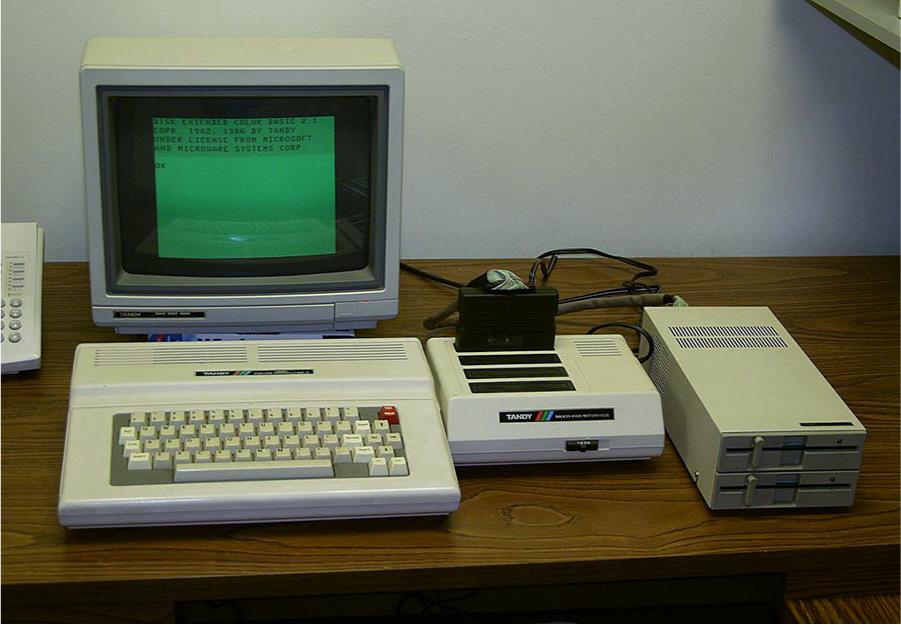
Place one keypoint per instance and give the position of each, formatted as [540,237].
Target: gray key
[241,471]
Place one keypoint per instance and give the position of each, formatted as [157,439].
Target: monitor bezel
[371,277]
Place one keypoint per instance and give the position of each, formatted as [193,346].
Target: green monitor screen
[244,188]
[244,183]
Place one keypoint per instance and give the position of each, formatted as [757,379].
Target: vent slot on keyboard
[599,346]
[338,351]
[168,354]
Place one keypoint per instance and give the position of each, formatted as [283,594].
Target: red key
[389,414]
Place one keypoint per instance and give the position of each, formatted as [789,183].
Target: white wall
[651,127]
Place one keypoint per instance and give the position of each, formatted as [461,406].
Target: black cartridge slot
[515,372]
[509,359]
[531,386]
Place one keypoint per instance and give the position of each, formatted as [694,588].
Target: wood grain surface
[517,525]
[857,609]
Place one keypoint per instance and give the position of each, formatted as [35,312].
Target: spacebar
[266,470]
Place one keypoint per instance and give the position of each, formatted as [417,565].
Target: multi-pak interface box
[755,422]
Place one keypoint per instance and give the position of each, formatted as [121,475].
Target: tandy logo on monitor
[546,416]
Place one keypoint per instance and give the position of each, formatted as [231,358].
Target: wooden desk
[517,525]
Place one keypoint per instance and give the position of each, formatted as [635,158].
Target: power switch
[582,445]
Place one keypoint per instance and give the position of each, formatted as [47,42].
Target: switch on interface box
[754,421]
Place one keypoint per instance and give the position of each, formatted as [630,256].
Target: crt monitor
[242,185]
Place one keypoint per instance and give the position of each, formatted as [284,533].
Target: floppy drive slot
[781,452]
[752,490]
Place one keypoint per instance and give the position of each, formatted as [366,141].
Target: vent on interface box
[333,351]
[597,346]
[714,337]
[168,354]
[658,370]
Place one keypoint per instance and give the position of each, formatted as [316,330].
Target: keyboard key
[274,415]
[350,413]
[389,414]
[232,443]
[254,415]
[272,443]
[311,441]
[208,430]
[183,457]
[323,427]
[341,455]
[216,417]
[203,457]
[186,431]
[284,429]
[212,444]
[291,442]
[152,446]
[172,446]
[362,428]
[394,440]
[373,440]
[343,427]
[302,453]
[158,418]
[139,461]
[127,433]
[312,414]
[222,455]
[196,417]
[384,451]
[380,426]
[265,429]
[130,448]
[168,432]
[191,444]
[246,430]
[322,453]
[351,440]
[137,419]
[293,415]
[398,466]
[283,454]
[162,460]
[378,467]
[362,455]
[331,414]
[146,433]
[304,428]
[330,441]
[243,455]
[237,471]
[262,455]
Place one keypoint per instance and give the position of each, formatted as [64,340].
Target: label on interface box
[545,416]
[222,372]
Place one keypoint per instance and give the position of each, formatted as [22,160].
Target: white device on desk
[755,423]
[241,431]
[587,399]
[20,317]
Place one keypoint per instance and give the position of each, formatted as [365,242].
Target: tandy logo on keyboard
[544,416]
[221,373]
